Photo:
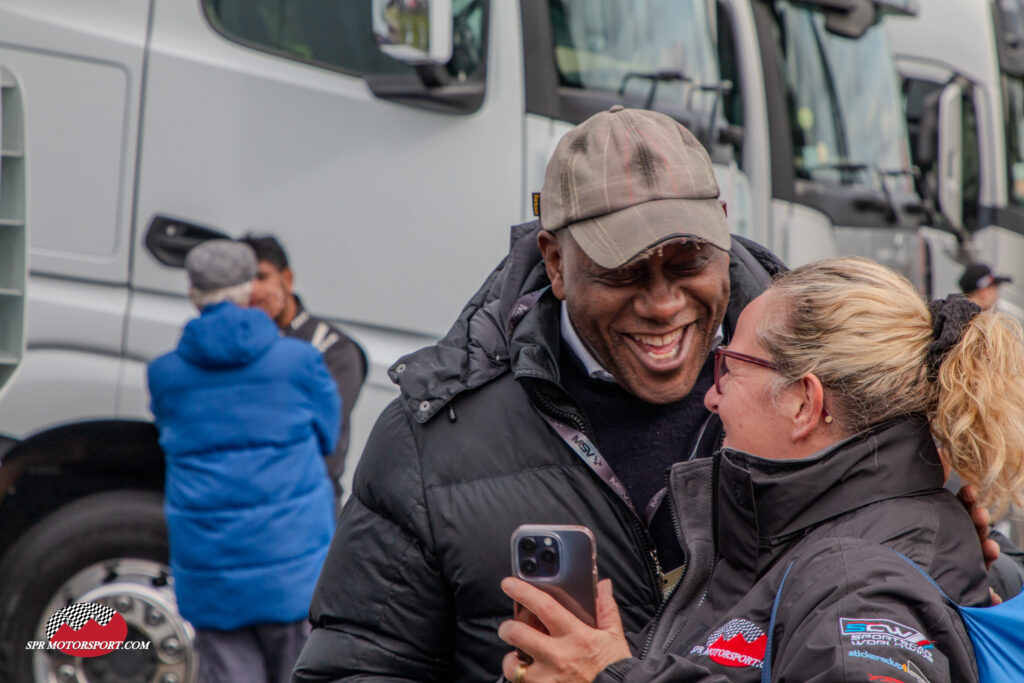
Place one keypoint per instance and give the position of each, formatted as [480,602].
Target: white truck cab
[824,137]
[133,130]
[390,168]
[962,65]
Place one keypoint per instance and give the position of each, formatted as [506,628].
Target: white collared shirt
[590,364]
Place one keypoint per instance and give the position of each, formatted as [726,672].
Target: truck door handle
[169,239]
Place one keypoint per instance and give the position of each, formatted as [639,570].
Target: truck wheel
[108,548]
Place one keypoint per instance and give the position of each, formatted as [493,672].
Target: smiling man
[569,384]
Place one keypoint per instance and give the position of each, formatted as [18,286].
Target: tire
[110,548]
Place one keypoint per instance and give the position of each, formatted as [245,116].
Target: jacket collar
[762,504]
[301,316]
[484,342]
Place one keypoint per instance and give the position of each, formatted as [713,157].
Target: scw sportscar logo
[886,632]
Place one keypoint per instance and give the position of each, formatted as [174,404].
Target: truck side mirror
[950,152]
[417,33]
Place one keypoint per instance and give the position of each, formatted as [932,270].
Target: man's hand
[979,515]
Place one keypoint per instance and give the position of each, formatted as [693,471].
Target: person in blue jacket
[246,417]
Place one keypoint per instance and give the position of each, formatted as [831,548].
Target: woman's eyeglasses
[721,369]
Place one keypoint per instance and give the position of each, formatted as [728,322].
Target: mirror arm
[432,75]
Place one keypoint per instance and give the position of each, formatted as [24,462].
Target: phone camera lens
[527,545]
[529,566]
[547,556]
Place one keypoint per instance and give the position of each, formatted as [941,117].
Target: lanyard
[579,442]
[576,439]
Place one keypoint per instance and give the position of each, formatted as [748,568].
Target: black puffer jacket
[850,609]
[410,590]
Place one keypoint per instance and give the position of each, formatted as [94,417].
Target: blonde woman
[833,392]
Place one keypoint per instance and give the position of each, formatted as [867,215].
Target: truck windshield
[1013,111]
[630,47]
[844,103]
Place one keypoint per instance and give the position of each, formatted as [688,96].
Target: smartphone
[561,560]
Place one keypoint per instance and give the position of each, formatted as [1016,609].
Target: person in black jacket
[566,388]
[832,393]
[346,360]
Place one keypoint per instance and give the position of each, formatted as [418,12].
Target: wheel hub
[140,591]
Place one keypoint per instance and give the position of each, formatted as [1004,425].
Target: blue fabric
[996,633]
[766,665]
[245,418]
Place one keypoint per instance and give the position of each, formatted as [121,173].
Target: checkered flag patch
[77,614]
[749,630]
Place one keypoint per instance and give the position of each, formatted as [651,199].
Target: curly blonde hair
[864,331]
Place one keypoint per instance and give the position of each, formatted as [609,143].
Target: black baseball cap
[979,276]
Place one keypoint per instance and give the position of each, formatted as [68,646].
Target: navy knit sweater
[640,440]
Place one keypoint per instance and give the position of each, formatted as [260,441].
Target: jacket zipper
[551,409]
[653,565]
[686,554]
[686,563]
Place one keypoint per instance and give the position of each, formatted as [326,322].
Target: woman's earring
[828,418]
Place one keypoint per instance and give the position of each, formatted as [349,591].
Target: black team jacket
[850,609]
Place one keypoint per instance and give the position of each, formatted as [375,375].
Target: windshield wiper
[895,211]
[855,166]
[721,88]
[900,210]
[655,77]
[843,167]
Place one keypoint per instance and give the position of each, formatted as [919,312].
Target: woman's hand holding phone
[570,651]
